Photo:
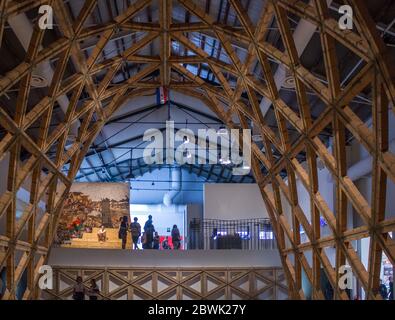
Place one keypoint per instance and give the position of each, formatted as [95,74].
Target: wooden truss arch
[48,182]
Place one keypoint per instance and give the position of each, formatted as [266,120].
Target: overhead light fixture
[246,167]
[225,161]
[222,131]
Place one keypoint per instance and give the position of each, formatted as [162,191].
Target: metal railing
[245,234]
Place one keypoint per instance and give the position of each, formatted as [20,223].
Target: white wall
[143,192]
[233,201]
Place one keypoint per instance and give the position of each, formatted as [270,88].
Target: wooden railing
[172,283]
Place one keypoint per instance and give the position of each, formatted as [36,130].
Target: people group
[387,293]
[79,290]
[150,238]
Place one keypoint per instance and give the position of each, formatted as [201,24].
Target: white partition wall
[233,201]
[163,217]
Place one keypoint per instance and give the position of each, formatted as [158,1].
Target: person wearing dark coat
[93,291]
[176,237]
[79,289]
[165,244]
[135,230]
[149,230]
[123,231]
[383,290]
[156,241]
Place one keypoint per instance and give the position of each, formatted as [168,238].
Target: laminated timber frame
[172,283]
[48,182]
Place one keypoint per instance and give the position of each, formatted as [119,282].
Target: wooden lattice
[43,174]
[172,284]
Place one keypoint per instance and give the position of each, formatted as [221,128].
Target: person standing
[149,230]
[93,292]
[156,241]
[165,243]
[135,230]
[79,290]
[102,234]
[391,289]
[123,231]
[383,290]
[144,241]
[176,237]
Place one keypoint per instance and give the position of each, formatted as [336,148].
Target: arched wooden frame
[54,184]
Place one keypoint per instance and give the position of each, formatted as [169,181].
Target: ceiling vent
[289,82]
[39,81]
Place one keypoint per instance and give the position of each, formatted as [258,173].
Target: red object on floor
[162,238]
